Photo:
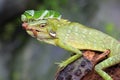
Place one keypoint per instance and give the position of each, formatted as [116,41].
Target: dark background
[24,58]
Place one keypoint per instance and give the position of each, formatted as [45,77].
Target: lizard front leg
[69,48]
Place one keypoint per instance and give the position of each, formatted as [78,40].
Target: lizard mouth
[37,33]
[34,31]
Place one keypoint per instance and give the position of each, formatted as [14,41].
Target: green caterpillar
[32,15]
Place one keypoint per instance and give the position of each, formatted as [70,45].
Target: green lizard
[48,26]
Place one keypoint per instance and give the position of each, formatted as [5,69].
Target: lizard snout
[24,25]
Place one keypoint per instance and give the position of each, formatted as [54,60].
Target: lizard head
[41,24]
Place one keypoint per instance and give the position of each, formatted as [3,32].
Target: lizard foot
[61,64]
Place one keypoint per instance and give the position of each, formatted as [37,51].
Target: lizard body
[47,26]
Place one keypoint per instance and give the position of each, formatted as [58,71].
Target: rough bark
[83,68]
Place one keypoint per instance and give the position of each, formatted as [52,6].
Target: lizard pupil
[43,25]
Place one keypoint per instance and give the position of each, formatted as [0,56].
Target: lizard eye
[42,25]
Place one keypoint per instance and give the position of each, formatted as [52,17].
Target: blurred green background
[24,58]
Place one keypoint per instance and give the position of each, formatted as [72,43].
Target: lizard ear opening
[52,33]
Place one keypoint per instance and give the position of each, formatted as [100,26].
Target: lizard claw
[62,64]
